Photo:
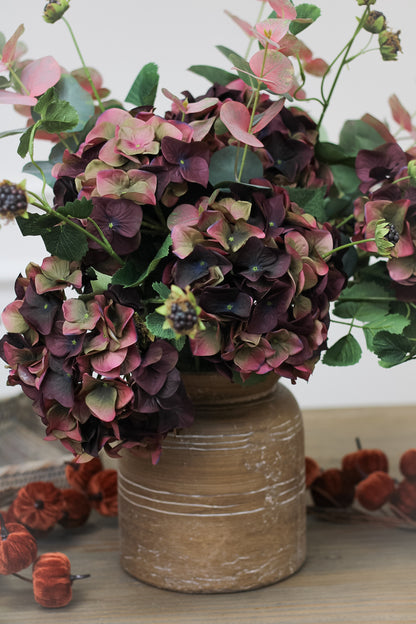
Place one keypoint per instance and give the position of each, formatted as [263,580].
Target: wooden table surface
[354,573]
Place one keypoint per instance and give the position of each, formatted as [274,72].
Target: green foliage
[311,200]
[69,90]
[304,11]
[78,209]
[345,352]
[144,89]
[357,135]
[392,349]
[162,290]
[213,74]
[134,273]
[65,242]
[225,164]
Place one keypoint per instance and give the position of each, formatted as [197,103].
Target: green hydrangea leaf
[56,115]
[66,242]
[213,74]
[304,11]
[362,311]
[162,290]
[391,349]
[345,352]
[311,200]
[127,275]
[78,209]
[144,88]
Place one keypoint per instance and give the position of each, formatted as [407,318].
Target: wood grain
[356,573]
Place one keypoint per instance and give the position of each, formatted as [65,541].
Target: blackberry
[183,317]
[13,200]
[392,235]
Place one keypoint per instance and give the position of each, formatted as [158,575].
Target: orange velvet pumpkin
[52,583]
[78,475]
[18,547]
[375,490]
[332,489]
[358,465]
[76,508]
[408,464]
[38,505]
[102,492]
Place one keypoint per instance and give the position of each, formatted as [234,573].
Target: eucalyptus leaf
[345,179]
[46,167]
[304,11]
[213,74]
[226,162]
[12,132]
[345,352]
[144,88]
[357,135]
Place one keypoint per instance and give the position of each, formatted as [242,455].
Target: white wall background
[119,38]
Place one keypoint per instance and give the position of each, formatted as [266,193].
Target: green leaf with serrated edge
[391,349]
[365,291]
[162,253]
[162,290]
[78,209]
[35,224]
[69,90]
[362,311]
[56,115]
[66,242]
[392,323]
[154,323]
[304,11]
[356,135]
[144,89]
[24,143]
[213,74]
[311,200]
[46,167]
[128,274]
[222,166]
[345,352]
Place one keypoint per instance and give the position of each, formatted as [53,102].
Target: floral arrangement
[211,237]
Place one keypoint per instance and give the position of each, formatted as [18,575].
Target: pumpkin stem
[77,577]
[358,444]
[4,532]
[23,578]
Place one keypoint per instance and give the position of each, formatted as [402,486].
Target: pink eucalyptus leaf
[202,105]
[268,115]
[9,52]
[236,117]
[283,8]
[380,127]
[316,67]
[201,128]
[40,75]
[271,31]
[9,97]
[276,71]
[292,46]
[400,114]
[245,26]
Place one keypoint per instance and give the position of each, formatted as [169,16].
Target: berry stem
[351,244]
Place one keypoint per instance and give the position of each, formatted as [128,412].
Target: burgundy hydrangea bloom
[385,163]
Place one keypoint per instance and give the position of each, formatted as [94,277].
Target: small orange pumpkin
[375,490]
[38,505]
[18,547]
[76,508]
[407,464]
[102,492]
[358,465]
[332,489]
[79,474]
[52,580]
[312,471]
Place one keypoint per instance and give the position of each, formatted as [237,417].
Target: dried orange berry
[375,490]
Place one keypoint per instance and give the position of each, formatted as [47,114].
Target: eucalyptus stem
[251,40]
[17,79]
[103,242]
[253,111]
[345,53]
[86,70]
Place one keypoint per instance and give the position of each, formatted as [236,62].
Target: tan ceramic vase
[224,508]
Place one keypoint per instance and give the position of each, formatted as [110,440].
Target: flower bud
[375,22]
[411,172]
[386,236]
[54,10]
[389,43]
[365,2]
[181,312]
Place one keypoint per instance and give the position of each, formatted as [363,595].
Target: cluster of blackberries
[392,235]
[183,317]
[13,200]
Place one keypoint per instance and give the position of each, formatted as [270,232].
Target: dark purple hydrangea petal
[63,346]
[40,311]
[254,260]
[378,165]
[270,309]
[197,266]
[119,221]
[191,159]
[225,302]
[58,383]
[290,157]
